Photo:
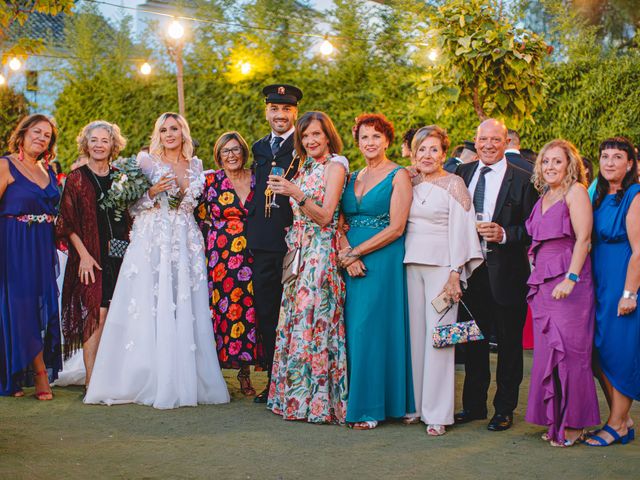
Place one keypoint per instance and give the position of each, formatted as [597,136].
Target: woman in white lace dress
[158,347]
[441,251]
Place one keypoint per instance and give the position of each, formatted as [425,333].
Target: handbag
[459,332]
[291,265]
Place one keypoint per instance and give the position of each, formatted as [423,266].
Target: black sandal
[246,388]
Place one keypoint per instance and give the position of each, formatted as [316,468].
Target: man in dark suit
[496,293]
[513,152]
[266,224]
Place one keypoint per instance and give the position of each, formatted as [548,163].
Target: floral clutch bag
[459,332]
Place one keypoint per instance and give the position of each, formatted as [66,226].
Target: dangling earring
[45,159]
[21,154]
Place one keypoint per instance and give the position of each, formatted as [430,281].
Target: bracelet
[630,295]
[457,270]
[351,254]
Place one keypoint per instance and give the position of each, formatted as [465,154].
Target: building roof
[39,26]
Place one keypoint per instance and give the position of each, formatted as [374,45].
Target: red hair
[376,120]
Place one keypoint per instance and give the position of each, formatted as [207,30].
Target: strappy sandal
[569,443]
[246,388]
[43,395]
[18,394]
[545,436]
[410,420]
[617,438]
[366,425]
[434,430]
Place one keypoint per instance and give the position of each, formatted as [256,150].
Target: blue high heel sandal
[623,440]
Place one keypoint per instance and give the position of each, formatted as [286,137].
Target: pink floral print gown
[309,376]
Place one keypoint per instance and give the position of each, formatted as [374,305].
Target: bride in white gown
[158,347]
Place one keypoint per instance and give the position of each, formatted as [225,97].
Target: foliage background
[380,65]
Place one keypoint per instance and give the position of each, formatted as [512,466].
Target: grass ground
[66,439]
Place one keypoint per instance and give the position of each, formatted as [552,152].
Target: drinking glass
[278,172]
[483,217]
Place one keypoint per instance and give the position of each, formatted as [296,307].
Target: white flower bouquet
[128,185]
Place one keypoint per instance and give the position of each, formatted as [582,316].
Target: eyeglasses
[226,151]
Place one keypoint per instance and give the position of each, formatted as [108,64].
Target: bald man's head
[491,141]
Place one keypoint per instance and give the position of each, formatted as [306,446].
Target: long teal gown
[617,339]
[376,313]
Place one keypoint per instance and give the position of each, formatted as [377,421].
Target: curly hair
[118,142]
[576,172]
[156,148]
[631,177]
[376,120]
[16,140]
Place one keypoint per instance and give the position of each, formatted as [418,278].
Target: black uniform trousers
[507,322]
[267,295]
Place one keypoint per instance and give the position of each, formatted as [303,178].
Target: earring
[629,169]
[21,154]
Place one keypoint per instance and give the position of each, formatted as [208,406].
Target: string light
[433,55]
[15,64]
[2,80]
[245,68]
[326,48]
[145,68]
[176,30]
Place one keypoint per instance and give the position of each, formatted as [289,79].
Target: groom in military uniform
[267,222]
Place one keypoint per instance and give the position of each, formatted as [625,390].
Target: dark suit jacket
[517,160]
[451,164]
[268,233]
[508,264]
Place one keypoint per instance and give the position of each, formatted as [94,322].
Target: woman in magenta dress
[29,323]
[222,215]
[562,394]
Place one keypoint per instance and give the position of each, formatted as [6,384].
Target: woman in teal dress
[616,270]
[375,206]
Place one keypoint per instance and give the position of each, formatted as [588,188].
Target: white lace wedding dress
[158,347]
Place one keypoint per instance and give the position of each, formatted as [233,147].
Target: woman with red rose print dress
[309,375]
[222,217]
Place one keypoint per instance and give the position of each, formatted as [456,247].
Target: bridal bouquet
[128,185]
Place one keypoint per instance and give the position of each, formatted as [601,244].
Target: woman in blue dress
[29,323]
[616,268]
[375,206]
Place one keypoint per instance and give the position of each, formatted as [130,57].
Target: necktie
[478,193]
[275,145]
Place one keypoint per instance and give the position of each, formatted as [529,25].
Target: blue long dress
[376,313]
[29,321]
[617,339]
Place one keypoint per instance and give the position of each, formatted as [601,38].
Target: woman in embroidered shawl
[91,274]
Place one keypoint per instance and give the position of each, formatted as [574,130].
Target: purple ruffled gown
[562,392]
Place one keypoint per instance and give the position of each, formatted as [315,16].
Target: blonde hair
[430,131]
[575,169]
[156,148]
[118,142]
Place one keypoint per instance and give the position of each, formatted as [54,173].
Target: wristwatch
[457,270]
[630,295]
[573,277]
[302,201]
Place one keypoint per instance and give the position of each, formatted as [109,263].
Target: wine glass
[483,217]
[278,172]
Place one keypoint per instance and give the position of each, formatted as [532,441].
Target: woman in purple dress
[562,395]
[29,323]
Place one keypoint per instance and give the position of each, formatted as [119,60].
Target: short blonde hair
[430,131]
[575,169]
[225,138]
[118,142]
[156,148]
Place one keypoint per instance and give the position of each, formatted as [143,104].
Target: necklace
[423,200]
[96,171]
[27,173]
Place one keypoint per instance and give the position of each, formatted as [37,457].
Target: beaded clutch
[459,332]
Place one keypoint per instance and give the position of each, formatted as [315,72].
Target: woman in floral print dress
[309,376]
[222,216]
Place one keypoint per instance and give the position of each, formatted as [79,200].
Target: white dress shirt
[284,136]
[493,182]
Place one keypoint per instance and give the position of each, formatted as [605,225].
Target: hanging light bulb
[145,68]
[326,48]
[2,80]
[245,68]
[433,55]
[176,30]
[15,64]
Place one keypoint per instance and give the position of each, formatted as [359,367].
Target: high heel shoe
[43,395]
[617,438]
[246,388]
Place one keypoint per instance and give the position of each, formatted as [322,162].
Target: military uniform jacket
[268,233]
